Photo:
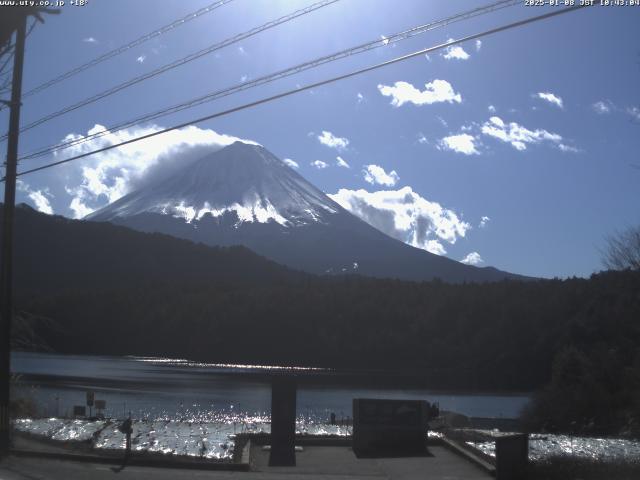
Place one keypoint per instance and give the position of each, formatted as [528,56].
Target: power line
[6,62]
[311,86]
[396,37]
[128,46]
[8,48]
[178,63]
[5,85]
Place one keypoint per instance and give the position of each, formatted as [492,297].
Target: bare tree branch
[623,250]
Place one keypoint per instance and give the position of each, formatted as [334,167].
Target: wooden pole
[6,277]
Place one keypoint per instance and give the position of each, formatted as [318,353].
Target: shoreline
[307,377]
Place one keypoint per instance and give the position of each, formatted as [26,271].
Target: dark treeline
[109,290]
[490,336]
[54,253]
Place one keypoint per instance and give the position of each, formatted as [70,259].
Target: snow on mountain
[244,179]
[244,195]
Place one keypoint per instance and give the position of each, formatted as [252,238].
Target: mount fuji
[244,195]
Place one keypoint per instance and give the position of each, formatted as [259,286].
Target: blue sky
[535,130]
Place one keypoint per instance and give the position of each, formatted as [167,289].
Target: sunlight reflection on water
[544,446]
[209,437]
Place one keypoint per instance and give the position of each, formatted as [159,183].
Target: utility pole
[6,277]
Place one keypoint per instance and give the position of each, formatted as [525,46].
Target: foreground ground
[313,463]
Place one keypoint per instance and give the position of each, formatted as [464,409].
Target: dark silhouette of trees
[110,290]
[623,250]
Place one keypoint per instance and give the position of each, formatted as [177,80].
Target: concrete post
[283,422]
[512,457]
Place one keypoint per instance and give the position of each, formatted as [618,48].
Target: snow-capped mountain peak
[242,179]
[244,195]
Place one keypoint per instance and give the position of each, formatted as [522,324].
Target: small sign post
[100,406]
[90,399]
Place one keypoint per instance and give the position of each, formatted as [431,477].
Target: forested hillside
[108,290]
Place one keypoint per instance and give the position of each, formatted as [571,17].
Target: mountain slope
[244,195]
[54,253]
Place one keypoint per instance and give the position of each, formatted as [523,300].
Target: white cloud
[90,40]
[330,140]
[385,40]
[422,139]
[141,58]
[568,148]
[478,45]
[473,258]
[434,92]
[483,221]
[406,216]
[375,174]
[634,112]
[241,50]
[319,164]
[243,78]
[551,98]
[602,107]
[38,197]
[463,143]
[491,109]
[360,97]
[291,163]
[497,121]
[105,177]
[517,135]
[455,52]
[341,162]
[79,209]
[41,202]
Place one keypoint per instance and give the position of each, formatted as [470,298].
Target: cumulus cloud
[634,112]
[483,221]
[291,163]
[319,164]
[105,177]
[406,216]
[473,258]
[40,198]
[602,107]
[478,45]
[342,163]
[551,98]
[375,174]
[434,92]
[360,97]
[568,148]
[141,58]
[463,143]
[79,209]
[455,52]
[517,135]
[422,139]
[491,109]
[331,141]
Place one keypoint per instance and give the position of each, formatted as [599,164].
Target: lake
[186,408]
[159,388]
